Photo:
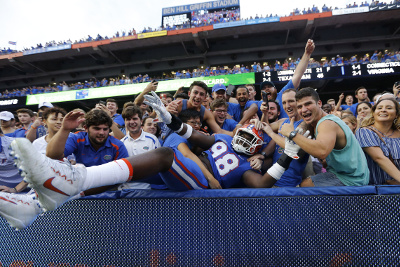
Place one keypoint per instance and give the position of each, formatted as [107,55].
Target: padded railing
[340,226]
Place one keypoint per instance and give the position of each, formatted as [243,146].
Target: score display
[336,72]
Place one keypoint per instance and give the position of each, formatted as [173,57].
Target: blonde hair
[352,119]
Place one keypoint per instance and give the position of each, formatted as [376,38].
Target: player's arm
[55,147]
[322,146]
[303,64]
[186,152]
[176,125]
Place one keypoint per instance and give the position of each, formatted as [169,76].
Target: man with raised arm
[334,142]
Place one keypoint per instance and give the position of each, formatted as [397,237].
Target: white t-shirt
[40,144]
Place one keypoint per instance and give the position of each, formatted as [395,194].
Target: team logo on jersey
[146,148]
[107,157]
[280,150]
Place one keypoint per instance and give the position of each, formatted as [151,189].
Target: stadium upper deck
[335,32]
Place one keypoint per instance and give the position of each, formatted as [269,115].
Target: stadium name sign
[199,6]
[132,89]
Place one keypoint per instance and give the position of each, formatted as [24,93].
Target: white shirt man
[137,141]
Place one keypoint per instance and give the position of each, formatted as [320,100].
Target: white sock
[115,172]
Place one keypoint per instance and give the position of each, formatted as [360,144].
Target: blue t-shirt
[21,132]
[294,174]
[117,118]
[79,145]
[235,110]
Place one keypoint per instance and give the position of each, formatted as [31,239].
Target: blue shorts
[326,179]
[184,174]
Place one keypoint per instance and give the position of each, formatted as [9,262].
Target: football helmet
[247,140]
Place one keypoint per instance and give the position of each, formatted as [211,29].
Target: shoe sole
[46,202]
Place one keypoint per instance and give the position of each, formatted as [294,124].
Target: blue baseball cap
[218,86]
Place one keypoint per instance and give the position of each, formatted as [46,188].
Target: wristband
[276,171]
[188,133]
[15,189]
[33,127]
[176,124]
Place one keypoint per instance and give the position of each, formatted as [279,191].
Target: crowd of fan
[288,64]
[198,20]
[211,139]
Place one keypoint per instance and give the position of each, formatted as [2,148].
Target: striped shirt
[368,138]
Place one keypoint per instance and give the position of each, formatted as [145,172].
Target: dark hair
[188,114]
[242,86]
[54,110]
[112,100]
[218,103]
[359,88]
[168,95]
[158,132]
[278,107]
[365,102]
[182,95]
[128,104]
[200,84]
[26,110]
[97,117]
[305,92]
[131,111]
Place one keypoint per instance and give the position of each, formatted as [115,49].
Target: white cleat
[55,182]
[19,210]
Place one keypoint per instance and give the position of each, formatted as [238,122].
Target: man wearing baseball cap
[219,91]
[7,120]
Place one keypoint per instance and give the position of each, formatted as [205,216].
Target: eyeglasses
[194,123]
[220,111]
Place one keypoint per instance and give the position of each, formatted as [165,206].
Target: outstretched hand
[72,120]
[155,102]
[310,46]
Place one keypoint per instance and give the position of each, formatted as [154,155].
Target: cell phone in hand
[40,115]
[265,98]
[102,103]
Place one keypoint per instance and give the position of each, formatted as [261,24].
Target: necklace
[385,134]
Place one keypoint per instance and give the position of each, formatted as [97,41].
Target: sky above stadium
[30,22]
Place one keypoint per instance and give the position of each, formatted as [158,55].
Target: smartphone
[40,115]
[230,89]
[265,98]
[102,102]
[397,83]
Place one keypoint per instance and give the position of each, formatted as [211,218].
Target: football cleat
[55,182]
[19,210]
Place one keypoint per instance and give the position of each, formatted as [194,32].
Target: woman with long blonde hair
[379,137]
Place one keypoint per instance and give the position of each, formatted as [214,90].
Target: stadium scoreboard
[336,72]
[194,13]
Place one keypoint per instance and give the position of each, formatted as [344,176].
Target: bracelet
[239,124]
[33,127]
[15,189]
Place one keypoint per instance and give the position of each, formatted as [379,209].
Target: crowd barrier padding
[340,226]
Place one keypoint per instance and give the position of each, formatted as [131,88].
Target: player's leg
[56,182]
[184,174]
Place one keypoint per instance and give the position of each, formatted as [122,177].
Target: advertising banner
[133,89]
